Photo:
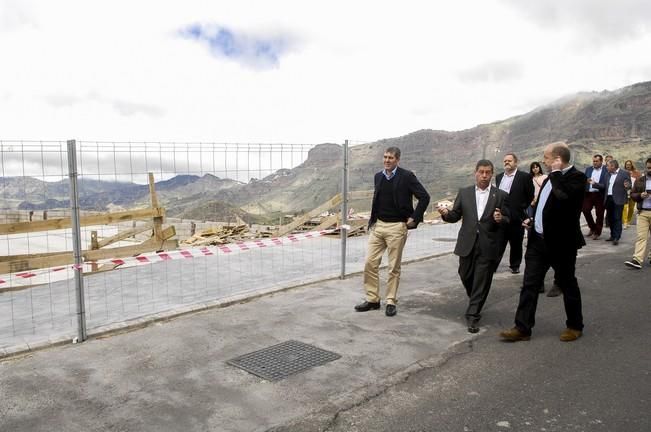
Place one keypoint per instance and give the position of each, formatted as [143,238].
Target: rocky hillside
[616,122]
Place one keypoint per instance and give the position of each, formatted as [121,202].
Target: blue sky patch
[252,51]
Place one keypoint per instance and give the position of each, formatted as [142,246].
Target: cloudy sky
[270,71]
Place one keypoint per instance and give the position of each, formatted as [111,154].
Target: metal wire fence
[202,187]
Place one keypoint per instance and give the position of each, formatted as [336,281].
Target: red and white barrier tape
[185,253]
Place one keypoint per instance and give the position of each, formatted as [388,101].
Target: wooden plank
[5,258]
[328,222]
[102,219]
[332,202]
[27,262]
[123,235]
[150,245]
[158,220]
[152,191]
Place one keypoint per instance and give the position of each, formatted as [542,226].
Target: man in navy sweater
[392,214]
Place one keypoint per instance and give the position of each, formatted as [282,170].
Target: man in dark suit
[392,214]
[619,182]
[554,238]
[595,192]
[484,211]
[519,185]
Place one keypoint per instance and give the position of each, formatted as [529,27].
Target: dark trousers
[476,273]
[513,235]
[614,214]
[538,259]
[594,200]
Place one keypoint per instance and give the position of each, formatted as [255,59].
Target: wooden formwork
[159,240]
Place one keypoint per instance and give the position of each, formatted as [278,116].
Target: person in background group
[595,196]
[538,177]
[607,158]
[392,214]
[619,181]
[629,207]
[553,241]
[641,194]
[520,188]
[484,211]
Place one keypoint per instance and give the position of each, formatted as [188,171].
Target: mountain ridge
[616,122]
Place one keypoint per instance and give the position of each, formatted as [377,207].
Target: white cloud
[360,70]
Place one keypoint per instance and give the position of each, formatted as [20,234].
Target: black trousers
[594,200]
[476,273]
[614,215]
[538,260]
[513,235]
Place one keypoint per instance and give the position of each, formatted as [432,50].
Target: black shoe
[473,326]
[610,239]
[515,270]
[541,290]
[391,310]
[615,242]
[367,306]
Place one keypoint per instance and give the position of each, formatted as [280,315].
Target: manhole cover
[282,360]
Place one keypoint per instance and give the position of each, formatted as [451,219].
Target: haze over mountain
[616,122]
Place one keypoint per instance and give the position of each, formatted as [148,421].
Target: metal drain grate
[282,360]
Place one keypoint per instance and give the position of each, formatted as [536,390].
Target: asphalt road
[602,382]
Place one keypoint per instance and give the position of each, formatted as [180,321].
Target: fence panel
[199,186]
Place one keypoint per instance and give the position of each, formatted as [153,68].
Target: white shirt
[646,204]
[481,198]
[611,182]
[542,200]
[507,181]
[596,175]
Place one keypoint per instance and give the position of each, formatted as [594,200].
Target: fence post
[344,212]
[76,241]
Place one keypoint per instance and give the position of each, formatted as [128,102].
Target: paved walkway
[173,375]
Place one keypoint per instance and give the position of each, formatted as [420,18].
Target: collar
[478,189]
[510,175]
[393,172]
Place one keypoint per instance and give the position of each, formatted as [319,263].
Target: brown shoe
[570,335]
[514,335]
[595,236]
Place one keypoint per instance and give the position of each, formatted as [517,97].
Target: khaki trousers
[389,236]
[628,212]
[643,226]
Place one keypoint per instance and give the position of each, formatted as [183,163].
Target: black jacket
[562,211]
[521,195]
[405,187]
[490,232]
